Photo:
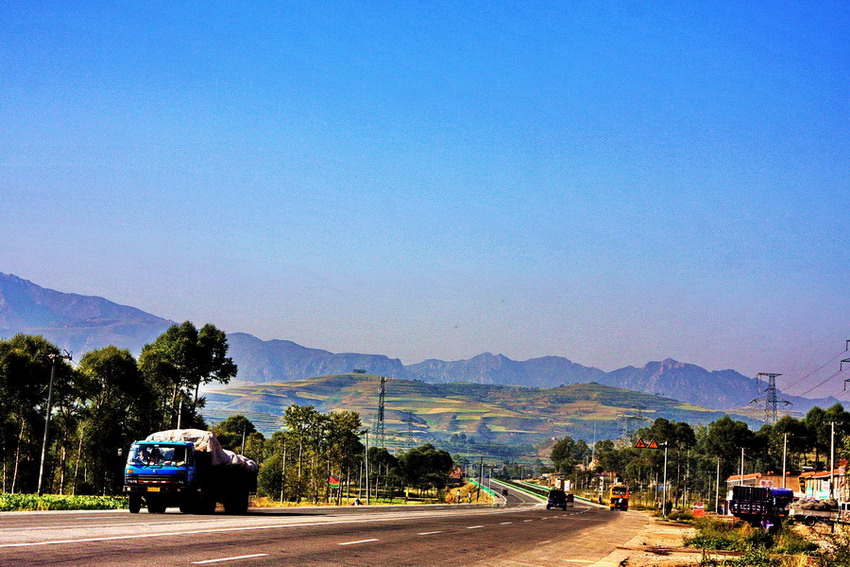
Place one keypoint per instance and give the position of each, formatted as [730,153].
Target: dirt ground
[659,544]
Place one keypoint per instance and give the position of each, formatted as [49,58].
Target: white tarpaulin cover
[205,442]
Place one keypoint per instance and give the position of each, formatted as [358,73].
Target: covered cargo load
[205,442]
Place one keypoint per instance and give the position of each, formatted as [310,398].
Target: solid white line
[473,527]
[229,559]
[358,541]
[430,533]
[249,528]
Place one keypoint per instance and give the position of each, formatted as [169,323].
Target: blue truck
[187,468]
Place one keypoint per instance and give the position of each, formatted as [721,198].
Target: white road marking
[505,523]
[528,520]
[430,533]
[577,561]
[249,528]
[228,559]
[356,542]
[473,527]
[544,542]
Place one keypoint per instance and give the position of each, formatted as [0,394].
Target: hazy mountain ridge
[82,323]
[78,323]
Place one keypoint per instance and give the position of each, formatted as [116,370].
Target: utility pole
[664,501]
[366,458]
[784,454]
[741,477]
[832,460]
[53,359]
[717,487]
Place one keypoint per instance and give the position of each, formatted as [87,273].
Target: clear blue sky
[611,182]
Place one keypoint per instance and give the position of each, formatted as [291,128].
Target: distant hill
[78,323]
[82,323]
[488,413]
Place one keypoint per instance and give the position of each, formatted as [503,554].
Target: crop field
[491,414]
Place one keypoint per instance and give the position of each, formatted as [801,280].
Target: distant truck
[760,504]
[618,497]
[811,512]
[187,468]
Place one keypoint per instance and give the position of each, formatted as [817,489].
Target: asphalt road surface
[519,531]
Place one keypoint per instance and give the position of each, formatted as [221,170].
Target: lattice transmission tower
[379,422]
[771,401]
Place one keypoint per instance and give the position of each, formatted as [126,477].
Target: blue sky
[610,182]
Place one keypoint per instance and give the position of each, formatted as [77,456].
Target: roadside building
[815,485]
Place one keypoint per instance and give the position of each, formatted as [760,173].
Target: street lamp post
[53,358]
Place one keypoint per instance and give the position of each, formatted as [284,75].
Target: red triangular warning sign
[653,444]
[640,444]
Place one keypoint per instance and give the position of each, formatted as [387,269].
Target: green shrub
[681,515]
[790,542]
[12,502]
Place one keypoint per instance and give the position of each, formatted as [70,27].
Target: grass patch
[19,502]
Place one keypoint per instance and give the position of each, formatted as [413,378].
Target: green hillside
[418,411]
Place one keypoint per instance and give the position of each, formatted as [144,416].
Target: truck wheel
[135,503]
[156,507]
[206,504]
[236,504]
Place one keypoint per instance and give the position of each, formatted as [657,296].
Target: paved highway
[518,532]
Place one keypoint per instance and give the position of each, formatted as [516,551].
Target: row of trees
[697,455]
[100,406]
[297,461]
[110,399]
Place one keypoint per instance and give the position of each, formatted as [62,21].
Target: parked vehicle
[811,512]
[187,468]
[618,497]
[760,504]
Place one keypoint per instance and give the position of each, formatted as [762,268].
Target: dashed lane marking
[473,527]
[358,541]
[430,533]
[229,559]
[505,523]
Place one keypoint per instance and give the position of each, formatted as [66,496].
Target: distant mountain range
[82,323]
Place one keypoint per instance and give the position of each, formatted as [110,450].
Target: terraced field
[493,414]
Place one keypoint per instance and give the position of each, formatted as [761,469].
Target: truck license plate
[153,489]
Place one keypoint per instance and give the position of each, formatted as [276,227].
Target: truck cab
[159,473]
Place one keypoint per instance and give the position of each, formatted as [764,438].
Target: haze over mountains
[82,323]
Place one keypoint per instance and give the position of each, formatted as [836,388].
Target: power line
[818,369]
[819,384]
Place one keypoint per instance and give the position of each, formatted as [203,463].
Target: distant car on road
[557,499]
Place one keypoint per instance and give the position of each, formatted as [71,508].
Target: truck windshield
[154,454]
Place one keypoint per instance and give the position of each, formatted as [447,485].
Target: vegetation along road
[518,531]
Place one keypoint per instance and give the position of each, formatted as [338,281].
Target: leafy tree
[426,467]
[112,396]
[567,453]
[179,361]
[25,368]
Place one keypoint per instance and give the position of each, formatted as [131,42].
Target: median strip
[229,559]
